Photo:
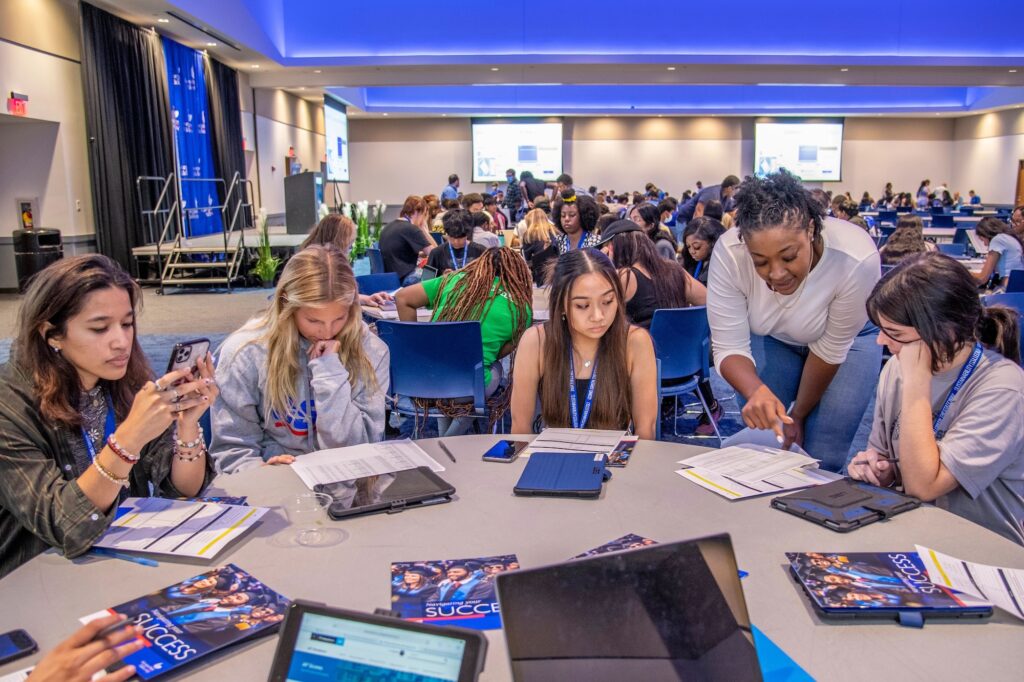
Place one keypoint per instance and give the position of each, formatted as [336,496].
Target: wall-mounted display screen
[522,145]
[336,128]
[811,150]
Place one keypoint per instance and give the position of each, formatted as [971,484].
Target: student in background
[82,423]
[575,217]
[339,231]
[451,190]
[646,215]
[494,289]
[699,239]
[587,366]
[432,218]
[457,251]
[306,375]
[906,240]
[786,295]
[532,187]
[1005,250]
[696,205]
[403,241]
[973,199]
[1017,221]
[482,230]
[949,415]
[649,283]
[539,247]
[497,217]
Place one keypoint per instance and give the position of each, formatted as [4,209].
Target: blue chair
[1014,300]
[438,237]
[382,281]
[682,343]
[376,261]
[904,209]
[966,210]
[436,361]
[954,250]
[943,220]
[886,217]
[1015,285]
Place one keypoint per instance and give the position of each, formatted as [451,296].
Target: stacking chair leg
[711,417]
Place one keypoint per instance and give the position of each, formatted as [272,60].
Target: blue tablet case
[563,474]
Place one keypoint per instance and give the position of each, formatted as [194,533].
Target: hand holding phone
[186,354]
[505,451]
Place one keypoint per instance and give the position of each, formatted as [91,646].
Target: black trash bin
[34,250]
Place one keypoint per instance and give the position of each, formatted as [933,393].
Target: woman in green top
[495,289]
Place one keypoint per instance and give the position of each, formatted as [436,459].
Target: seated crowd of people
[799,313]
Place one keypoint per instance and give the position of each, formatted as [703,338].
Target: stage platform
[209,242]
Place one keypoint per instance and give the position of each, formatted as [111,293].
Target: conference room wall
[283,120]
[986,154]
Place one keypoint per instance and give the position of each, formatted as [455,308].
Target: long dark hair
[54,296]
[668,276]
[908,238]
[706,229]
[937,296]
[612,394]
[989,226]
[651,216]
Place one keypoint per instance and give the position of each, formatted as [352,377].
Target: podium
[303,194]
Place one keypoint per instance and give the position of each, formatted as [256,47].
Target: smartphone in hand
[185,354]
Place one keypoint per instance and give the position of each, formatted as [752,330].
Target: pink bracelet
[125,456]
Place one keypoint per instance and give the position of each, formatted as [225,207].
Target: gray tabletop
[48,594]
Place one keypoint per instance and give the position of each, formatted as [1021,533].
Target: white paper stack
[359,461]
[749,470]
[575,440]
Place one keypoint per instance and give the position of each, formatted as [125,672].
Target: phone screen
[505,450]
[15,644]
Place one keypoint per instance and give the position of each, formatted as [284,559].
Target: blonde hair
[316,276]
[538,227]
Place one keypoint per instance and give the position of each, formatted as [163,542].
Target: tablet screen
[332,648]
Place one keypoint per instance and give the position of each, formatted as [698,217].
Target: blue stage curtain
[190,113]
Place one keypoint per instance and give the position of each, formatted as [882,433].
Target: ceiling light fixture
[317,70]
[385,113]
[211,44]
[495,68]
[255,66]
[670,68]
[1013,70]
[163,21]
[844,69]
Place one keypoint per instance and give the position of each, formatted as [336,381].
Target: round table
[47,595]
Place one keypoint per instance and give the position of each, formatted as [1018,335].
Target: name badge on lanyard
[965,374]
[579,422]
[465,256]
[108,429]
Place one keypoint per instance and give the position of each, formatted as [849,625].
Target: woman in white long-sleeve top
[789,327]
[305,376]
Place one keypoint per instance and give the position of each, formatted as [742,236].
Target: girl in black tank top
[640,309]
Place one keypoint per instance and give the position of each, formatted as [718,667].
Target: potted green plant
[266,262]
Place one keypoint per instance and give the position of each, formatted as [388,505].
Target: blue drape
[190,112]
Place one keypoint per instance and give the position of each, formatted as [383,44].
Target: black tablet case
[845,505]
[411,488]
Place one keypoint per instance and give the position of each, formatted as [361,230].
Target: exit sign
[17,104]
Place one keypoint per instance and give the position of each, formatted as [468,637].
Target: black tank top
[640,309]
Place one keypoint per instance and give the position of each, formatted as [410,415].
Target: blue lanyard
[965,374]
[465,255]
[108,429]
[578,423]
[696,272]
[583,238]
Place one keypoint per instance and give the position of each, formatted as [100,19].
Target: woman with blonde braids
[495,289]
[306,375]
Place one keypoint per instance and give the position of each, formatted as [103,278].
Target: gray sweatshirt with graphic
[328,413]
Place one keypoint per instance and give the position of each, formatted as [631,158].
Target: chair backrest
[438,237]
[954,250]
[435,359]
[966,210]
[943,220]
[682,340]
[376,261]
[886,230]
[886,217]
[1014,300]
[1015,285]
[382,281]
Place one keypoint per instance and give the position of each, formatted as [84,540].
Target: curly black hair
[587,206]
[776,200]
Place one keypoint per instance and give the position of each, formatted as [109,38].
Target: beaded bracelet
[182,458]
[123,482]
[123,454]
[200,439]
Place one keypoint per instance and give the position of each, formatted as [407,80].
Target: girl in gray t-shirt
[949,414]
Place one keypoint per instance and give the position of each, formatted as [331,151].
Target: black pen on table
[447,451]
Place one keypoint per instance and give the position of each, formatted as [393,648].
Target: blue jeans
[413,277]
[830,427]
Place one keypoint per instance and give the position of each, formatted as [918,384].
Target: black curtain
[128,123]
[225,125]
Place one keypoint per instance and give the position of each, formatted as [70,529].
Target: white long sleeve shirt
[826,313]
